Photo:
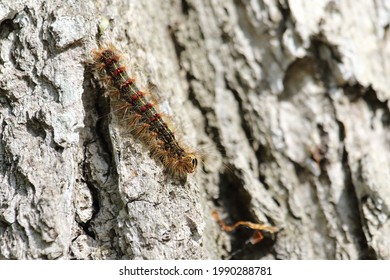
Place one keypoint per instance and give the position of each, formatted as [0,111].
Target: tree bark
[286,103]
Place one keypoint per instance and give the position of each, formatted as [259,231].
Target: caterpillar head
[184,165]
[189,163]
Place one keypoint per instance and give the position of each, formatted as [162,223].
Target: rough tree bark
[287,99]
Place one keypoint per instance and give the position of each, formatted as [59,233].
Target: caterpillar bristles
[140,115]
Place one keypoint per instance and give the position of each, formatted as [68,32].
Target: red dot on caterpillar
[127,83]
[134,97]
[117,71]
[155,117]
[142,117]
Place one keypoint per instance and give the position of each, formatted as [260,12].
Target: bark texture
[288,102]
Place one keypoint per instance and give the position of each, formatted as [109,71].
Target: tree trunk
[286,103]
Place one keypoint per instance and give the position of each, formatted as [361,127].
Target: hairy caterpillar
[141,115]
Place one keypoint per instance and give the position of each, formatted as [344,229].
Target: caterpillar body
[146,123]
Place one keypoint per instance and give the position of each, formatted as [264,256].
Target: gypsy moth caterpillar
[141,115]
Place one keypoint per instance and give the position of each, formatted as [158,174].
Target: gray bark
[286,101]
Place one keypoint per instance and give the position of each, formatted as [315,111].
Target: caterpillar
[257,235]
[146,123]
